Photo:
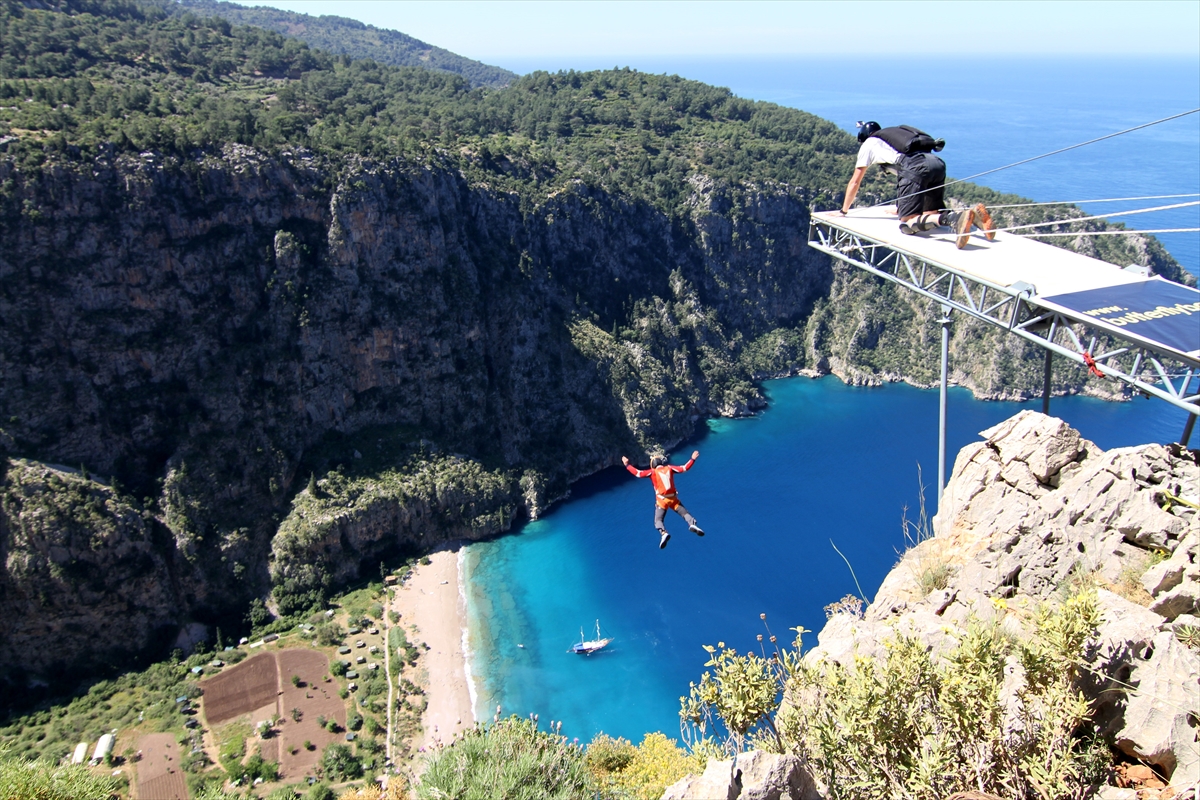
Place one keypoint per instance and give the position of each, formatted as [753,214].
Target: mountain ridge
[345,36]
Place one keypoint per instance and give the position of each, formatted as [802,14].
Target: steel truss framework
[1157,372]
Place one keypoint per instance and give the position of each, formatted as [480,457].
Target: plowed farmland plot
[249,686]
[314,698]
[159,776]
[266,681]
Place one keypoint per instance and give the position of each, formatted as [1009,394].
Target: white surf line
[466,646]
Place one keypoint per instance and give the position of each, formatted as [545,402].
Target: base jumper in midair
[662,475]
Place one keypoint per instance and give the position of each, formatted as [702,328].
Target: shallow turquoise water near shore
[826,462]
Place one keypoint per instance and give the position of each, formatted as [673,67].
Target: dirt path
[387,668]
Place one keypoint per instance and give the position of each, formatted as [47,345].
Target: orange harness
[663,479]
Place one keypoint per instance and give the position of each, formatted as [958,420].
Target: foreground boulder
[754,775]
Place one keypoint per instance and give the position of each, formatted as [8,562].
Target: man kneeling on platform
[908,153]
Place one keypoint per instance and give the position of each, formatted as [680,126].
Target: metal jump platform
[1064,302]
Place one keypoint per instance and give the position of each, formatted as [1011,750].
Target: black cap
[865,129]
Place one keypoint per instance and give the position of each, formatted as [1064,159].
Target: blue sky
[519,32]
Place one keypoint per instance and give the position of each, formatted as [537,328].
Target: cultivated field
[315,698]
[159,776]
[243,689]
[262,687]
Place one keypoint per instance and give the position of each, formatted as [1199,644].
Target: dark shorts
[918,173]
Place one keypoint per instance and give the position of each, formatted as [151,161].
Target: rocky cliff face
[203,332]
[81,564]
[1032,510]
[206,334]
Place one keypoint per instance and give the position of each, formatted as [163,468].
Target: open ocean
[826,464]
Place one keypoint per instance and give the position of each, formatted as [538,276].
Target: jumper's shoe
[694,528]
[666,537]
[984,220]
[962,227]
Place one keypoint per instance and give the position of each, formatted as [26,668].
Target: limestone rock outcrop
[753,775]
[1032,509]
[79,563]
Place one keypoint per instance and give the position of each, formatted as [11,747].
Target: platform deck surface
[1005,261]
[1152,311]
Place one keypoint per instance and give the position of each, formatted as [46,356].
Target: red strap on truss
[1091,365]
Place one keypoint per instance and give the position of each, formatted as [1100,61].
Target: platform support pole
[945,320]
[1046,385]
[1187,430]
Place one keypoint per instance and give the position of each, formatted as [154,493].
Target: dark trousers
[660,514]
[922,173]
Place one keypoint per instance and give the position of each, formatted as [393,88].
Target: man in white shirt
[920,181]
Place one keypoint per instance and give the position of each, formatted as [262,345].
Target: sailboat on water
[588,646]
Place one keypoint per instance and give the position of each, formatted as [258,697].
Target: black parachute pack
[908,140]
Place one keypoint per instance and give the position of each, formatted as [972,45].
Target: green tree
[329,634]
[258,615]
[510,758]
[320,791]
[340,764]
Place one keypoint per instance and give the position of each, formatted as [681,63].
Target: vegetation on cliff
[145,699]
[46,780]
[513,758]
[344,518]
[913,725]
[131,76]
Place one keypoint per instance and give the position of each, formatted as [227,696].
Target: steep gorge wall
[204,332]
[209,333]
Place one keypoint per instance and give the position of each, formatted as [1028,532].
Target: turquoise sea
[826,464]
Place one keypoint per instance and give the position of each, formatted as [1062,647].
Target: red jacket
[663,479]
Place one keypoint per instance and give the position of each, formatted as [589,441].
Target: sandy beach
[430,603]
